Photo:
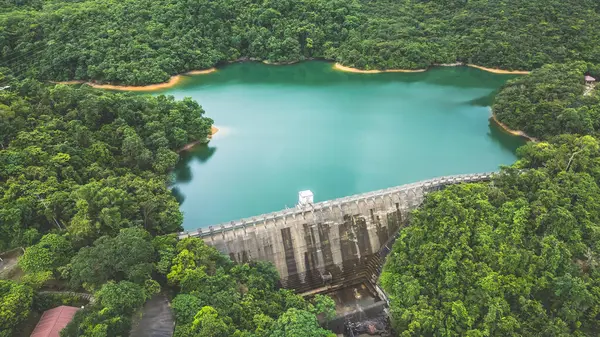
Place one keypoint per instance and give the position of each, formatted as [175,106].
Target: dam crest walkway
[332,241]
[429,184]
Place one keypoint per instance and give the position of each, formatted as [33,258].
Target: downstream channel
[284,129]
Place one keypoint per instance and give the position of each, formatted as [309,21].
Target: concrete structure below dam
[335,240]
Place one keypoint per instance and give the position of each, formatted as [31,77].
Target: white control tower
[305,198]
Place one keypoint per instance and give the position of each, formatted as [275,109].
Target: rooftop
[589,78]
[53,321]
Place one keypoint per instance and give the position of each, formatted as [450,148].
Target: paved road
[157,319]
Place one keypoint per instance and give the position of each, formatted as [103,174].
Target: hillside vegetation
[88,161]
[84,174]
[146,41]
[84,177]
[551,101]
[519,257]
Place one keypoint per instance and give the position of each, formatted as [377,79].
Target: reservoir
[284,129]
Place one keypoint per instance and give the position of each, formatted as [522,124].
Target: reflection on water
[180,197]
[503,138]
[483,101]
[312,74]
[309,127]
[201,153]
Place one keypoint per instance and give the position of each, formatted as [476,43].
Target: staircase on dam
[335,241]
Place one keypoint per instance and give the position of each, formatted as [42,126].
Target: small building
[305,198]
[53,321]
[589,79]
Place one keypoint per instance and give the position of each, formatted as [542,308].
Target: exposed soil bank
[511,131]
[213,131]
[338,66]
[278,63]
[173,81]
[500,71]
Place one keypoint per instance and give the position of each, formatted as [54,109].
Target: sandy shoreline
[500,71]
[213,131]
[174,80]
[340,67]
[511,131]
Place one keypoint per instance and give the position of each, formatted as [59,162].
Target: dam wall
[330,240]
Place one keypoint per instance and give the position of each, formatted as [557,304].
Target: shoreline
[213,131]
[500,71]
[338,66]
[505,128]
[173,81]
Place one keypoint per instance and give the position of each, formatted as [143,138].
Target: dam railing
[425,185]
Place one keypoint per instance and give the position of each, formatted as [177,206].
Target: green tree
[552,100]
[186,307]
[16,302]
[122,297]
[516,257]
[51,252]
[298,323]
[323,305]
[206,323]
[128,256]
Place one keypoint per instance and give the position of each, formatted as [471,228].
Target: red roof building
[53,321]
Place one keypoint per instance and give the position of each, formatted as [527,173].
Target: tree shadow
[506,140]
[202,153]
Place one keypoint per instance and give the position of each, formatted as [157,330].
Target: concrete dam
[330,241]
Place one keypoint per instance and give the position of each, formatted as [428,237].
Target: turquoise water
[306,126]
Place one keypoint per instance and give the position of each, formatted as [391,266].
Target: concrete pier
[334,237]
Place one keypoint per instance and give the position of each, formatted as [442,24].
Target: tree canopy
[51,252]
[142,41]
[16,302]
[552,100]
[88,161]
[84,177]
[518,257]
[219,298]
[127,256]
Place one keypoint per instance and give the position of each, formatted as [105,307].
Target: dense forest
[84,174]
[551,101]
[517,257]
[213,297]
[84,178]
[89,161]
[141,41]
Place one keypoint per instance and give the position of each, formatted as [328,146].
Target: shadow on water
[483,101]
[321,73]
[202,153]
[506,140]
[180,197]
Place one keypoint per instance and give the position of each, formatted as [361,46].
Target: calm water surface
[306,126]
